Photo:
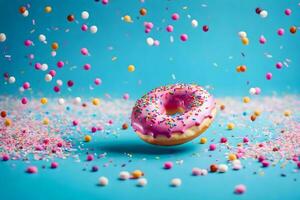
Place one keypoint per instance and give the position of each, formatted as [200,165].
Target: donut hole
[174,106]
[174,111]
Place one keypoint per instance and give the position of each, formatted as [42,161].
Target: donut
[173,114]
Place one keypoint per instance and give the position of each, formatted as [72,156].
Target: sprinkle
[223,168]
[213,167]
[95,168]
[203,140]
[32,170]
[230,126]
[240,189]
[54,165]
[212,147]
[124,175]
[103,181]
[142,182]
[175,182]
[168,165]
[90,157]
[136,174]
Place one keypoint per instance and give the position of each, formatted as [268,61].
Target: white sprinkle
[11,80]
[48,77]
[150,41]
[103,181]
[142,182]
[61,101]
[223,168]
[176,182]
[124,175]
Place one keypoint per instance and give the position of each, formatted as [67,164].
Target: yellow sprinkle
[87,138]
[44,100]
[7,122]
[45,121]
[131,68]
[246,99]
[230,126]
[48,9]
[96,101]
[203,140]
[231,157]
[127,19]
[137,174]
[257,113]
[245,41]
[287,113]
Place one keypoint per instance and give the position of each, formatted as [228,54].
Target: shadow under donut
[138,147]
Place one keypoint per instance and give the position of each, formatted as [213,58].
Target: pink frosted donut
[173,114]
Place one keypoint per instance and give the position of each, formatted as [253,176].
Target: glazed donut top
[151,114]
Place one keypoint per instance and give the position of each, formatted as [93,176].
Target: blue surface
[69,181]
[190,62]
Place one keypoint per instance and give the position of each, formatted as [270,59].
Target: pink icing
[149,113]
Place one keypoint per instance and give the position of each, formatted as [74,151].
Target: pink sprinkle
[110,121]
[59,144]
[288,12]
[295,158]
[56,88]
[170,28]
[38,66]
[257,90]
[298,164]
[60,64]
[262,40]
[32,170]
[147,30]
[104,2]
[175,16]
[24,100]
[245,140]
[279,65]
[149,25]
[87,66]
[240,189]
[84,27]
[75,122]
[52,73]
[98,81]
[27,43]
[269,76]
[265,163]
[84,51]
[5,157]
[212,147]
[90,157]
[126,96]
[168,165]
[196,171]
[223,140]
[156,43]
[280,31]
[184,37]
[26,85]
[54,165]
[94,129]
[31,56]
[70,83]
[205,28]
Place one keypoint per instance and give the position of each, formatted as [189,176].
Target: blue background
[190,62]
